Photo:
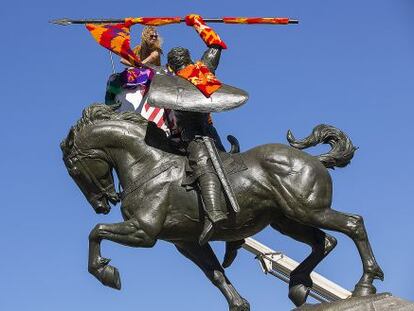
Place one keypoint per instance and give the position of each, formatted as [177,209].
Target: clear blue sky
[348,63]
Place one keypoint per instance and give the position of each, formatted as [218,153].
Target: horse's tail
[342,149]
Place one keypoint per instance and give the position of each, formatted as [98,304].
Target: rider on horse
[194,125]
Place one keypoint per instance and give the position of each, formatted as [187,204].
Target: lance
[160,21]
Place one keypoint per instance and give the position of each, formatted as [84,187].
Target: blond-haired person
[149,51]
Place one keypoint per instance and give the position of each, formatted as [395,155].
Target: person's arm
[151,58]
[211,57]
[125,62]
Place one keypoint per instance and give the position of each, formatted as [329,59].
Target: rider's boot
[209,185]
[211,191]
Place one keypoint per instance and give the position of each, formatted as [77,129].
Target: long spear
[160,21]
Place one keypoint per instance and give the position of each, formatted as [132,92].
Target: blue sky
[348,63]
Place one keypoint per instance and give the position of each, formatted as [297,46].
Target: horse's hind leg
[206,260]
[126,233]
[320,242]
[353,226]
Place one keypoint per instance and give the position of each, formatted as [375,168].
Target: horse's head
[99,141]
[92,172]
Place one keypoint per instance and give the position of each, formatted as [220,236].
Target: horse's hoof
[364,289]
[298,294]
[109,276]
[244,306]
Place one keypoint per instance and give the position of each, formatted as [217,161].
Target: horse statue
[276,185]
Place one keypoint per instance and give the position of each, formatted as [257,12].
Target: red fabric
[209,36]
[201,77]
[256,20]
[189,19]
[159,21]
[116,38]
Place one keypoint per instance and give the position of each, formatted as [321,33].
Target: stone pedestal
[379,302]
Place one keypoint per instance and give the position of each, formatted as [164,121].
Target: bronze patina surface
[282,186]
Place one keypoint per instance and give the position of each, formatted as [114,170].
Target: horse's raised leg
[204,257]
[127,233]
[322,244]
[353,226]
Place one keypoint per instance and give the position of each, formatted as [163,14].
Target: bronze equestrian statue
[274,184]
[176,194]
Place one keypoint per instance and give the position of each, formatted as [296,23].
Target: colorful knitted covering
[133,77]
[153,21]
[199,75]
[116,38]
[209,36]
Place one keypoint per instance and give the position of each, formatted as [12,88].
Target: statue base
[378,302]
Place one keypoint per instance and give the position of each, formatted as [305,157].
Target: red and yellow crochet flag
[116,38]
[199,75]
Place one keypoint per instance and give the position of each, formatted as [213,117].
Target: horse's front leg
[128,233]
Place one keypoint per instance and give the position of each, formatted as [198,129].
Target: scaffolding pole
[280,266]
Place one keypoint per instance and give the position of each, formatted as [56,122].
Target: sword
[160,21]
[218,166]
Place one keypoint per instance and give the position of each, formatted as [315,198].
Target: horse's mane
[94,114]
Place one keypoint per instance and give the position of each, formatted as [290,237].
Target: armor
[192,109]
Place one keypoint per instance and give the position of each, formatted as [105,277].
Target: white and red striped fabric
[154,114]
[132,100]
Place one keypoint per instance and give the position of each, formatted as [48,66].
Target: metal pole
[280,265]
[68,21]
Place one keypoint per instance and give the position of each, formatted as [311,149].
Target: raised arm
[211,56]
[151,59]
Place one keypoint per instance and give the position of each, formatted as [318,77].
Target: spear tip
[61,22]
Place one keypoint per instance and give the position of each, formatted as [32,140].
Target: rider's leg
[127,233]
[206,260]
[320,242]
[210,187]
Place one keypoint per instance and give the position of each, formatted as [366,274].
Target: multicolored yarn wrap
[201,77]
[116,38]
[133,77]
[209,36]
[257,20]
[153,21]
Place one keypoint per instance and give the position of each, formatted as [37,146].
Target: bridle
[77,156]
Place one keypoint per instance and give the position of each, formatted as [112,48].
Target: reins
[140,182]
[104,191]
[77,156]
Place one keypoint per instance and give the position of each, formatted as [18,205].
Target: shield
[176,93]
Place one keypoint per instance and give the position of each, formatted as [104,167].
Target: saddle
[232,162]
